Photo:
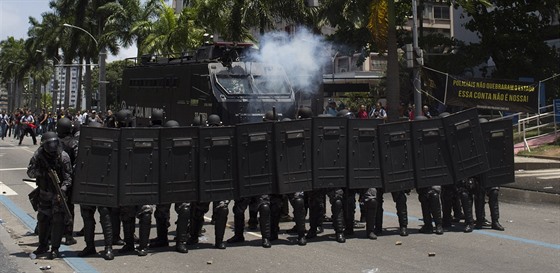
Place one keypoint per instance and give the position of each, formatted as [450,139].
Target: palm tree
[11,60]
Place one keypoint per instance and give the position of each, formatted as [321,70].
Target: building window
[441,13]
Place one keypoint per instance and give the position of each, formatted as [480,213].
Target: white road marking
[5,190]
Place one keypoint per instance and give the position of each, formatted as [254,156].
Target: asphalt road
[530,243]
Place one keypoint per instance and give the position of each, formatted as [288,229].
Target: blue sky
[14,21]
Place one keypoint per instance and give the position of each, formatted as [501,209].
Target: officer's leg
[369,200]
[275,214]
[399,198]
[253,211]
[69,226]
[297,200]
[349,202]
[183,215]
[162,216]
[57,231]
[264,219]
[144,215]
[379,213]
[197,220]
[128,224]
[448,191]
[479,202]
[435,208]
[106,225]
[89,230]
[337,209]
[221,212]
[239,207]
[427,228]
[467,202]
[116,226]
[43,224]
[493,194]
[315,211]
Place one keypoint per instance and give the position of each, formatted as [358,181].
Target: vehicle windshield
[251,79]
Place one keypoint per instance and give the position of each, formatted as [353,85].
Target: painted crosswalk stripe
[5,190]
[13,169]
[31,184]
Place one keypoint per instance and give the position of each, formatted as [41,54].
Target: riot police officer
[64,128]
[51,210]
[88,213]
[128,213]
[162,213]
[220,208]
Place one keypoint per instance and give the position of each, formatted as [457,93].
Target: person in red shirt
[362,113]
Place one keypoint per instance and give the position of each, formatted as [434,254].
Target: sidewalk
[535,142]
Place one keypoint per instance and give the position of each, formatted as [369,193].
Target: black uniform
[399,197]
[429,198]
[88,212]
[162,213]
[51,212]
[70,146]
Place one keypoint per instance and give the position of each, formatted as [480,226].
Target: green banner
[502,95]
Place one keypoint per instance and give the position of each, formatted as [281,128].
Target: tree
[12,56]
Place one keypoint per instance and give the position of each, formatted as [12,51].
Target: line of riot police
[135,168]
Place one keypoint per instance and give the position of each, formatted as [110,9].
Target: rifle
[56,181]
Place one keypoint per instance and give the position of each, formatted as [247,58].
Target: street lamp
[102,82]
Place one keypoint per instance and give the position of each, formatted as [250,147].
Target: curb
[536,165]
[512,195]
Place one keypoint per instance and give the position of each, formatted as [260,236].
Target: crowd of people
[59,150]
[25,122]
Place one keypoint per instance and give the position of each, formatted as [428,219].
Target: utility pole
[418,61]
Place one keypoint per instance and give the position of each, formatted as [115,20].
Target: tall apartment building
[60,74]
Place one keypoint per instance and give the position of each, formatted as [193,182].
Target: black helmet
[420,118]
[269,115]
[50,142]
[214,120]
[199,121]
[76,127]
[124,117]
[157,117]
[305,112]
[64,127]
[94,124]
[444,114]
[286,119]
[171,123]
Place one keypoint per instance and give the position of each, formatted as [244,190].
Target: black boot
[299,219]
[108,253]
[467,203]
[220,226]
[264,221]
[494,209]
[435,208]
[427,228]
[53,254]
[370,207]
[128,230]
[183,216]
[145,225]
[87,251]
[338,220]
[238,227]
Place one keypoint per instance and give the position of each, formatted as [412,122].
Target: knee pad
[145,218]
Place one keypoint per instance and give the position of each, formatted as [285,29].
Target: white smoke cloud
[302,54]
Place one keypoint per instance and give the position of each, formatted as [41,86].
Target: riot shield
[292,150]
[216,165]
[255,159]
[97,168]
[466,146]
[178,165]
[329,152]
[397,164]
[364,169]
[498,142]
[139,166]
[432,162]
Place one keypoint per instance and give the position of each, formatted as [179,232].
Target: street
[530,242]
